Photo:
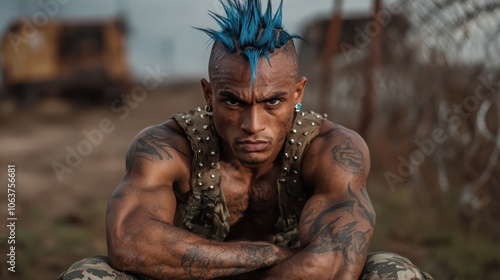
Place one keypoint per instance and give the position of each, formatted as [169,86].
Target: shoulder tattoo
[152,147]
[117,194]
[349,157]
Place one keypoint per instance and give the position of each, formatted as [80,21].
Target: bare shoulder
[158,149]
[337,154]
[157,164]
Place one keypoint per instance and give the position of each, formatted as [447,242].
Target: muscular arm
[141,234]
[337,222]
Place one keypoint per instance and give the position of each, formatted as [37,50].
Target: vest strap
[293,193]
[206,211]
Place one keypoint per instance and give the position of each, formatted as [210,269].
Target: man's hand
[282,254]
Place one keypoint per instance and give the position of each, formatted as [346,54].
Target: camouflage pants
[379,266]
[388,266]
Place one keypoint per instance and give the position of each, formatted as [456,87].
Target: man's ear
[300,86]
[207,91]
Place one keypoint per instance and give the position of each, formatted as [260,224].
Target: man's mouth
[252,146]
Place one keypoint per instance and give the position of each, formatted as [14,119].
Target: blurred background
[417,79]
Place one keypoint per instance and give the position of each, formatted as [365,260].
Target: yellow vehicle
[83,61]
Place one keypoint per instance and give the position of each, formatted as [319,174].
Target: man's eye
[232,102]
[274,101]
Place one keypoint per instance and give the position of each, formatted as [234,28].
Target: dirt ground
[61,220]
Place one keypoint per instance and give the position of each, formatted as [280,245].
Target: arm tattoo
[349,157]
[117,194]
[150,147]
[199,263]
[369,214]
[329,234]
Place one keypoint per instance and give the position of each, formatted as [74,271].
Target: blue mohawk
[245,28]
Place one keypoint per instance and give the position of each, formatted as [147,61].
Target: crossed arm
[337,222]
[335,226]
[336,234]
[141,216]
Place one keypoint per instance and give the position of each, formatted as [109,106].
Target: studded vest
[206,212]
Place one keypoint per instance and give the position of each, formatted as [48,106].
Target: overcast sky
[161,31]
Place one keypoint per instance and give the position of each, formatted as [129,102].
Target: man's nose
[253,120]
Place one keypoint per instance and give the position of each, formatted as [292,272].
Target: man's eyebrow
[274,96]
[229,95]
[232,96]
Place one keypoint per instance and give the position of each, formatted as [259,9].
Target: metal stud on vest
[206,213]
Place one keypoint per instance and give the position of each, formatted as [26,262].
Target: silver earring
[298,106]
[208,108]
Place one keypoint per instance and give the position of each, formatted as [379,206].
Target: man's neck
[253,171]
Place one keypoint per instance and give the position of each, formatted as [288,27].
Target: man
[250,187]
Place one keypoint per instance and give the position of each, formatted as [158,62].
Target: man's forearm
[167,252]
[307,265]
[335,236]
[230,259]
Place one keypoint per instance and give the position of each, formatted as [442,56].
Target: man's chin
[252,161]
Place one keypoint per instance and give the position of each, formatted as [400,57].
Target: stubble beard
[252,163]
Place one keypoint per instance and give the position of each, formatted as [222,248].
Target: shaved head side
[219,51]
[249,31]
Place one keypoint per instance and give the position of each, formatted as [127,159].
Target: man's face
[253,121]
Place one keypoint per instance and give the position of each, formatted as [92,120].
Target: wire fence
[436,104]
